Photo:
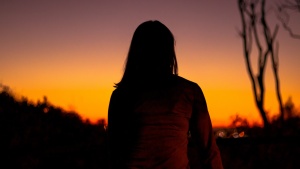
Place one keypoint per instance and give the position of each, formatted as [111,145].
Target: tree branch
[284,17]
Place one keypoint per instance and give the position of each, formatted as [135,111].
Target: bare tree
[253,17]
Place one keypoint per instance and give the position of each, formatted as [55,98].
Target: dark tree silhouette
[253,17]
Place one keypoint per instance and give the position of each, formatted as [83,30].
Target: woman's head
[151,54]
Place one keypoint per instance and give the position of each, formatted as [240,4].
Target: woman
[153,110]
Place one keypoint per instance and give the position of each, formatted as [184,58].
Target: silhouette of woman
[152,109]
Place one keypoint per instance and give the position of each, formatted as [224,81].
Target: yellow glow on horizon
[92,103]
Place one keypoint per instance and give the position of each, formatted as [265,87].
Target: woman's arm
[113,131]
[202,133]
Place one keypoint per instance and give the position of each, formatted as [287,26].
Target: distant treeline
[41,135]
[290,127]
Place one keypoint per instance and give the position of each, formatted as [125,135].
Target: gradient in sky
[73,52]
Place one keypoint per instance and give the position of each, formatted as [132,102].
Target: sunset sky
[73,51]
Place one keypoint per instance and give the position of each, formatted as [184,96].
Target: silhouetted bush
[40,135]
[277,149]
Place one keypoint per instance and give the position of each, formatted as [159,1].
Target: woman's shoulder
[189,88]
[186,82]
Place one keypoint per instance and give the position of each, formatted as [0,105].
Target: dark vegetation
[41,135]
[277,149]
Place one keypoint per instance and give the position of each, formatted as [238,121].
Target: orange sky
[73,52]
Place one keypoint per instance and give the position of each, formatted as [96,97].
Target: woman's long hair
[151,57]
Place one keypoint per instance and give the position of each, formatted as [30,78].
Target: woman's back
[154,125]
